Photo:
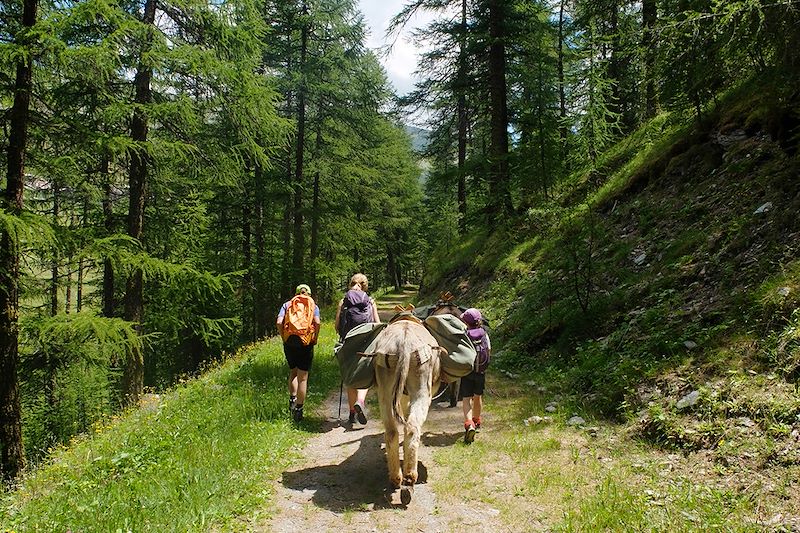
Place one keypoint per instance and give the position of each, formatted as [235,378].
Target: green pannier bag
[451,334]
[358,372]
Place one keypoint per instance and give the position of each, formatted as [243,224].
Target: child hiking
[473,384]
[298,323]
[356,307]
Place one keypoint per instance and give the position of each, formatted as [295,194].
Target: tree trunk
[247,266]
[649,19]
[616,105]
[498,150]
[54,281]
[562,98]
[108,223]
[12,452]
[462,120]
[259,296]
[286,265]
[299,239]
[133,375]
[314,252]
[67,284]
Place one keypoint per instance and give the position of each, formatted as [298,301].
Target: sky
[402,62]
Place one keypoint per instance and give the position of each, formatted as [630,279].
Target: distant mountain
[419,138]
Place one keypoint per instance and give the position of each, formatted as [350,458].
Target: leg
[302,385]
[391,434]
[359,408]
[293,382]
[477,407]
[352,396]
[468,394]
[466,406]
[417,413]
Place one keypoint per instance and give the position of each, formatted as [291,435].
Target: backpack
[356,309]
[299,319]
[478,338]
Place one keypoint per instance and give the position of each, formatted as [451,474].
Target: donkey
[406,361]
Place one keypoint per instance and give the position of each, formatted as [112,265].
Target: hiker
[356,307]
[299,323]
[473,384]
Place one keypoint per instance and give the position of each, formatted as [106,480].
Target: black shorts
[472,385]
[297,355]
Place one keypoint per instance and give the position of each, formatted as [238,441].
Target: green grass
[202,456]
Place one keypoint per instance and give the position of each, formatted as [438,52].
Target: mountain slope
[661,288]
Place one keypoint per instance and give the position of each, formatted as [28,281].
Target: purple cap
[471,316]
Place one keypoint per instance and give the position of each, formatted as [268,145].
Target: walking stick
[341,390]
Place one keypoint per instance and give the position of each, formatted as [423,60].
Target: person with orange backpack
[299,323]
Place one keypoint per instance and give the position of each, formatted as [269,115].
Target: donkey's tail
[403,365]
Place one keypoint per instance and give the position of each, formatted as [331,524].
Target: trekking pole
[341,390]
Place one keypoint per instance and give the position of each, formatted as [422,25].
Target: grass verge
[198,457]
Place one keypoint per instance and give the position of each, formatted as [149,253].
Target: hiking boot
[469,434]
[361,413]
[297,414]
[352,418]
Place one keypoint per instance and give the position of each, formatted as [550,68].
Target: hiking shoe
[292,403]
[352,418]
[297,414]
[361,413]
[469,434]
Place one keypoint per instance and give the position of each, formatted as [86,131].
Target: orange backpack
[299,319]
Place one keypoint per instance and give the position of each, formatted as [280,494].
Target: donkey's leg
[391,434]
[418,412]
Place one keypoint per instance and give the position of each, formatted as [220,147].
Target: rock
[576,421]
[530,383]
[784,291]
[640,259]
[534,420]
[744,421]
[690,345]
[551,408]
[763,209]
[688,400]
[592,431]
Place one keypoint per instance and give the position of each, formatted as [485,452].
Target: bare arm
[316,329]
[338,315]
[375,316]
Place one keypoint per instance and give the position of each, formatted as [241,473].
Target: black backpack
[356,309]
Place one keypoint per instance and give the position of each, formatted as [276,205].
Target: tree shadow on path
[356,483]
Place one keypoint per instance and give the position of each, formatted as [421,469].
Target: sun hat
[303,287]
[471,316]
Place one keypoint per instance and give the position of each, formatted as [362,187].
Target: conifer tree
[12,454]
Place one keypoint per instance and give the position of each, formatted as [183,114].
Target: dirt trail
[339,486]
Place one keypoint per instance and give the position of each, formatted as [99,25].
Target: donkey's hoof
[405,494]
